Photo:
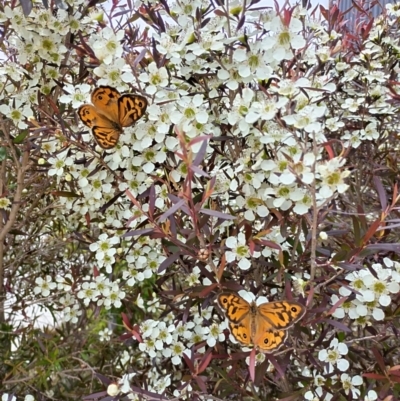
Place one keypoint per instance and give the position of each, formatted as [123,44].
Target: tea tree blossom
[239,251]
[44,286]
[18,115]
[5,203]
[350,384]
[104,246]
[333,356]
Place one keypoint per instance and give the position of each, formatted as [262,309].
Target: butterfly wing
[130,109]
[234,306]
[242,331]
[280,315]
[105,99]
[105,131]
[107,138]
[268,340]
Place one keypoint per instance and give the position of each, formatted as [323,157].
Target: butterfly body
[110,113]
[264,325]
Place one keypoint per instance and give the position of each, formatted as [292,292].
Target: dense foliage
[266,163]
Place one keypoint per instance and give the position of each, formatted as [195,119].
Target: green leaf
[20,138]
[3,153]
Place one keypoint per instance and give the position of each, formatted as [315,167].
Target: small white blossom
[333,356]
[44,286]
[240,251]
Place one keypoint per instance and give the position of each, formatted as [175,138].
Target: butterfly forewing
[281,315]
[235,307]
[105,99]
[131,108]
[92,118]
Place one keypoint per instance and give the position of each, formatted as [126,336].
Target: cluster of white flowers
[164,339]
[322,386]
[372,289]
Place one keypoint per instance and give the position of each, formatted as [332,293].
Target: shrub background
[267,161]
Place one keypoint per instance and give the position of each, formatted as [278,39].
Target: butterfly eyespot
[266,341]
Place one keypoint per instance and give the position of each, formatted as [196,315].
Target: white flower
[149,347]
[155,78]
[333,356]
[317,395]
[147,327]
[5,203]
[214,333]
[124,382]
[371,396]
[189,111]
[260,358]
[44,286]
[104,246]
[88,293]
[240,251]
[59,163]
[332,177]
[72,314]
[114,74]
[105,335]
[350,383]
[283,37]
[379,288]
[76,95]
[340,311]
[113,297]
[108,45]
[177,349]
[165,331]
[17,114]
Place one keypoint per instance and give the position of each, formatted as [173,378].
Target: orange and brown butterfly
[110,112]
[263,326]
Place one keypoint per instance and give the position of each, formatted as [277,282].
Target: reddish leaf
[337,304]
[205,361]
[379,359]
[252,364]
[188,363]
[374,376]
[168,262]
[172,210]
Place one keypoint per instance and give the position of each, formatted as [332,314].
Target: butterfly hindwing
[269,340]
[107,138]
[242,331]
